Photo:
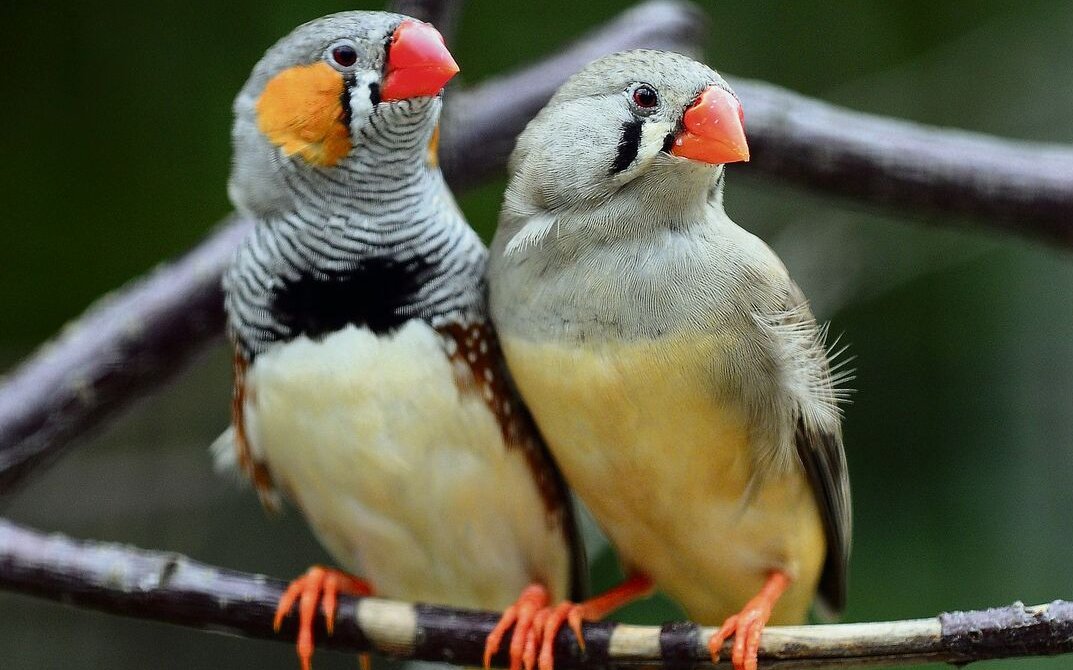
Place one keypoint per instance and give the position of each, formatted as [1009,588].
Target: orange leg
[747,624]
[536,624]
[317,584]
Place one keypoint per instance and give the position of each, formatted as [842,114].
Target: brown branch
[1018,187]
[175,589]
[135,339]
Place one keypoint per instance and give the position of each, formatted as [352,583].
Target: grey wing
[824,460]
[818,439]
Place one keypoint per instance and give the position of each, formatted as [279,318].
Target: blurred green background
[115,135]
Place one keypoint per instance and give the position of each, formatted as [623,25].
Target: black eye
[344,55]
[645,97]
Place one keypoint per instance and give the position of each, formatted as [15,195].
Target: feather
[531,234]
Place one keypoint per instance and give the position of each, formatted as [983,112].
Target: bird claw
[535,626]
[746,628]
[747,625]
[518,616]
[567,613]
[318,584]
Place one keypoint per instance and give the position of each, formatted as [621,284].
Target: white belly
[640,434]
[404,478]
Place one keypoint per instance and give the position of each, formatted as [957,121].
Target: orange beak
[714,129]
[418,62]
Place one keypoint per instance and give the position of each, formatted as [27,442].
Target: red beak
[418,62]
[714,129]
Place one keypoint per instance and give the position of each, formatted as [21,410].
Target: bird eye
[342,56]
[645,97]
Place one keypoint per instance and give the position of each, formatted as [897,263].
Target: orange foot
[747,624]
[323,584]
[536,624]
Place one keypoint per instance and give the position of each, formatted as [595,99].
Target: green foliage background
[114,131]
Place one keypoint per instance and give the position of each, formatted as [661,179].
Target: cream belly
[640,433]
[405,479]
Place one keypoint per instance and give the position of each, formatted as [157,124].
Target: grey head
[633,134]
[327,91]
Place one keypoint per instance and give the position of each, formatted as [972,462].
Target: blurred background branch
[1024,188]
[172,588]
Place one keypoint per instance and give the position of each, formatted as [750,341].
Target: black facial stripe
[387,45]
[628,145]
[344,99]
[668,143]
[387,56]
[374,88]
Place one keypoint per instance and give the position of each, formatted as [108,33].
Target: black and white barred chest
[292,279]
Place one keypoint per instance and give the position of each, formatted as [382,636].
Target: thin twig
[1024,188]
[175,589]
[136,338]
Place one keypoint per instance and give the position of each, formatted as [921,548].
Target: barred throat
[375,241]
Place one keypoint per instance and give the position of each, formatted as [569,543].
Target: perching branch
[134,340]
[1024,188]
[175,589]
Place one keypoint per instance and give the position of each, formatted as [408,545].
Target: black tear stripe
[374,93]
[344,99]
[668,143]
[388,41]
[628,145]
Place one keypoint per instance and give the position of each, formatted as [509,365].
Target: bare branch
[443,14]
[1019,187]
[175,589]
[125,345]
[136,338]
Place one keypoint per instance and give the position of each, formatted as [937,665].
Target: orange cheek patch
[300,111]
[433,157]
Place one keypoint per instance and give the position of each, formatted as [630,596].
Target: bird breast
[403,474]
[659,449]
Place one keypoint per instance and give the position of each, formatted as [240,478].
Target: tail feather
[225,456]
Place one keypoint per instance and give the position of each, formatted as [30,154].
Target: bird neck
[674,197]
[391,167]
[646,208]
